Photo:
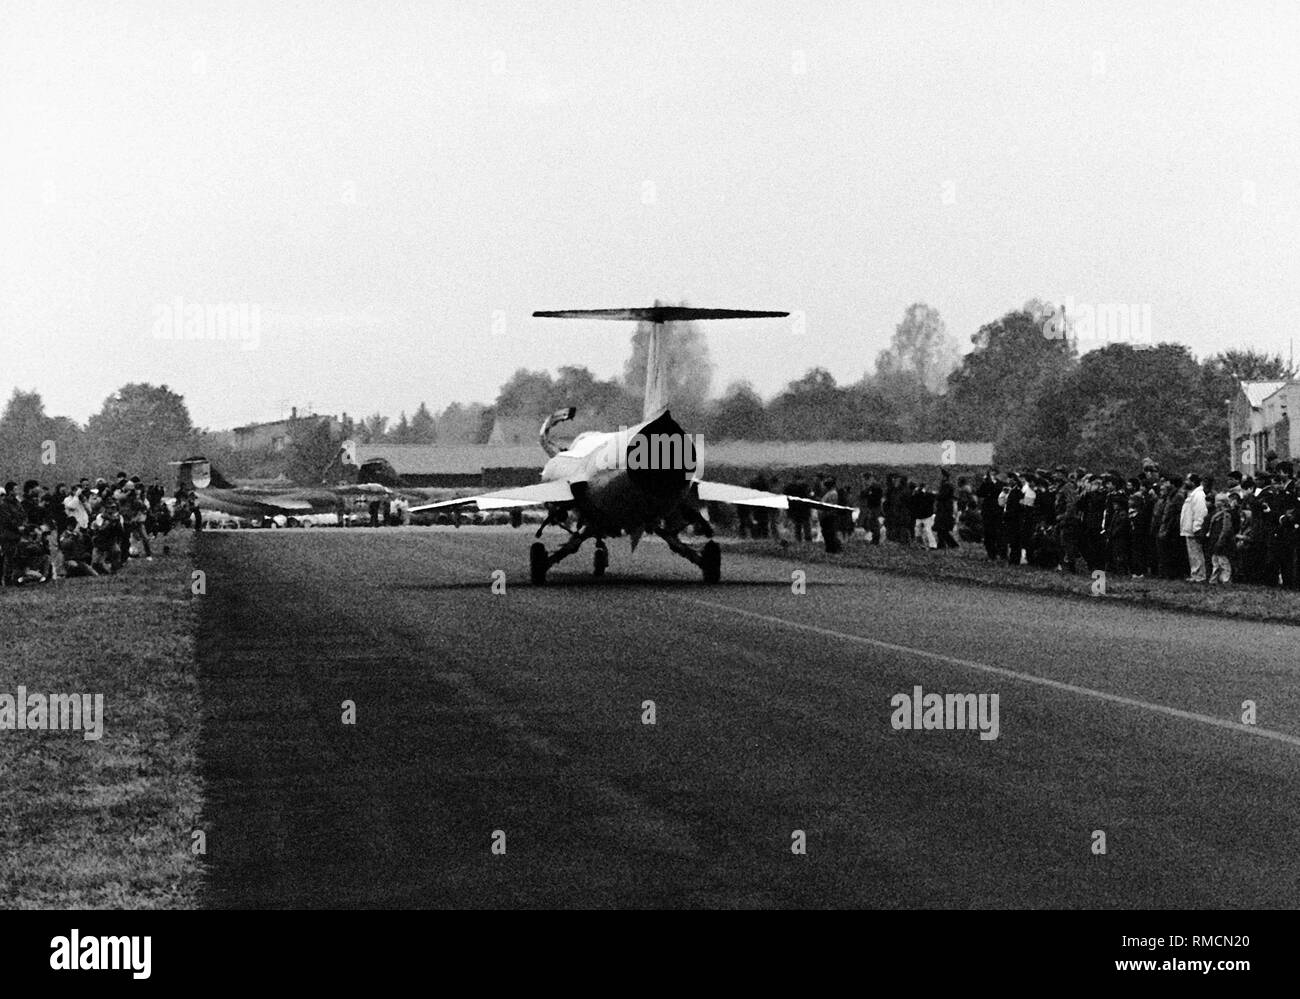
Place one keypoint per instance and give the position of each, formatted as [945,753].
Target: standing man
[800,514]
[1011,520]
[945,511]
[12,521]
[1174,551]
[1067,520]
[923,516]
[830,519]
[873,501]
[990,512]
[1191,522]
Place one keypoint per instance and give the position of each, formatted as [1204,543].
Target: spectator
[32,557]
[830,519]
[77,555]
[1067,519]
[12,521]
[1010,501]
[922,503]
[1192,523]
[800,514]
[873,508]
[945,511]
[1222,538]
[988,495]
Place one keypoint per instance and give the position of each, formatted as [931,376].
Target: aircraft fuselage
[628,480]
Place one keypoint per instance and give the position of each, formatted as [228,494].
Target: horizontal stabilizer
[507,499]
[721,492]
[659,314]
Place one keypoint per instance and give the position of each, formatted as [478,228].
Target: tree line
[1023,385]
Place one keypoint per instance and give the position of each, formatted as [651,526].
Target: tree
[890,406]
[1121,405]
[738,415]
[1246,365]
[401,434]
[690,371]
[811,408]
[424,430]
[603,402]
[921,347]
[312,449]
[373,428]
[1223,371]
[527,393]
[139,429]
[993,395]
[35,445]
[469,423]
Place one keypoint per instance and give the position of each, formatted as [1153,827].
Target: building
[1281,435]
[1258,423]
[278,435]
[471,465]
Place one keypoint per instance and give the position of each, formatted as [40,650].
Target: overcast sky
[395,187]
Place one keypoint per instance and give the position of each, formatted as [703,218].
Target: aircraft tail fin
[656,374]
[655,401]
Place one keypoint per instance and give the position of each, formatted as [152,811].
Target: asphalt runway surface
[522,712]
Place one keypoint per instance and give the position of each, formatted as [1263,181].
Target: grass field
[106,823]
[968,564]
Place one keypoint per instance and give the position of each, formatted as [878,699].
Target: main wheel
[711,562]
[538,563]
[600,562]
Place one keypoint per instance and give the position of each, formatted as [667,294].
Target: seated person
[32,558]
[106,538]
[77,554]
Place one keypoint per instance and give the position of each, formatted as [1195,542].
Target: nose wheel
[600,561]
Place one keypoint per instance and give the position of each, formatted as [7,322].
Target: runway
[522,713]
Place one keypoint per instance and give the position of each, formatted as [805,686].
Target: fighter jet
[213,492]
[633,481]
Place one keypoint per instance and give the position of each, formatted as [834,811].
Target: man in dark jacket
[945,511]
[830,519]
[1010,535]
[1067,520]
[1170,537]
[1159,492]
[12,521]
[873,508]
[1287,545]
[800,514]
[990,512]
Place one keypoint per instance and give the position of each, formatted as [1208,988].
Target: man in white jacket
[1194,513]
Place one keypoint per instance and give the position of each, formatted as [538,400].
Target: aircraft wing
[508,499]
[720,492]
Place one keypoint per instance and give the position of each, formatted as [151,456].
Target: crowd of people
[1156,524]
[1152,524]
[88,529]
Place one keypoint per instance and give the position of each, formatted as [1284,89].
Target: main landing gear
[708,558]
[540,560]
